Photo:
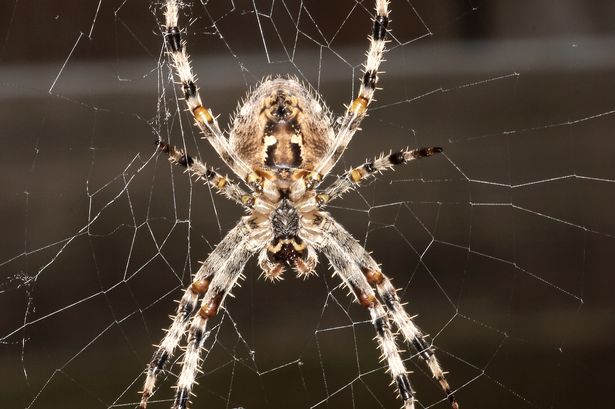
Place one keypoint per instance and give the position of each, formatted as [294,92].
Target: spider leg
[197,168]
[388,294]
[203,117]
[358,107]
[222,283]
[412,334]
[353,177]
[356,281]
[237,237]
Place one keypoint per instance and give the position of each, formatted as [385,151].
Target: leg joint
[210,309]
[397,158]
[200,286]
[374,277]
[366,299]
[370,78]
[189,89]
[181,398]
[421,347]
[381,326]
[380,27]
[159,361]
[403,385]
[173,38]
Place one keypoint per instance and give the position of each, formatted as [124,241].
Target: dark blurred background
[503,245]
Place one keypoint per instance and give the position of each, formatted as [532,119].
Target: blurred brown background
[503,246]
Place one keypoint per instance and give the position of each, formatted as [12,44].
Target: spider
[282,143]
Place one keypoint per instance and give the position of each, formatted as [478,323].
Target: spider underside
[282,143]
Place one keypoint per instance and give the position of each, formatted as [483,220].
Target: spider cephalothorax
[282,143]
[287,248]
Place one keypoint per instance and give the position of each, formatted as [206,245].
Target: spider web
[502,245]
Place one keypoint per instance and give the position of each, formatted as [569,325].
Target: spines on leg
[164,352]
[375,54]
[355,176]
[357,283]
[390,353]
[191,362]
[413,335]
[203,117]
[220,183]
[357,255]
[357,108]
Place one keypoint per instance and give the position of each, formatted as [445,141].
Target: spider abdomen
[283,144]
[281,125]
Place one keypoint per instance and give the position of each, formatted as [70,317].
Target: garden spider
[282,143]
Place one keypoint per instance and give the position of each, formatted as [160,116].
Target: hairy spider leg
[203,116]
[221,285]
[355,176]
[187,307]
[388,295]
[357,109]
[412,334]
[221,184]
[357,283]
